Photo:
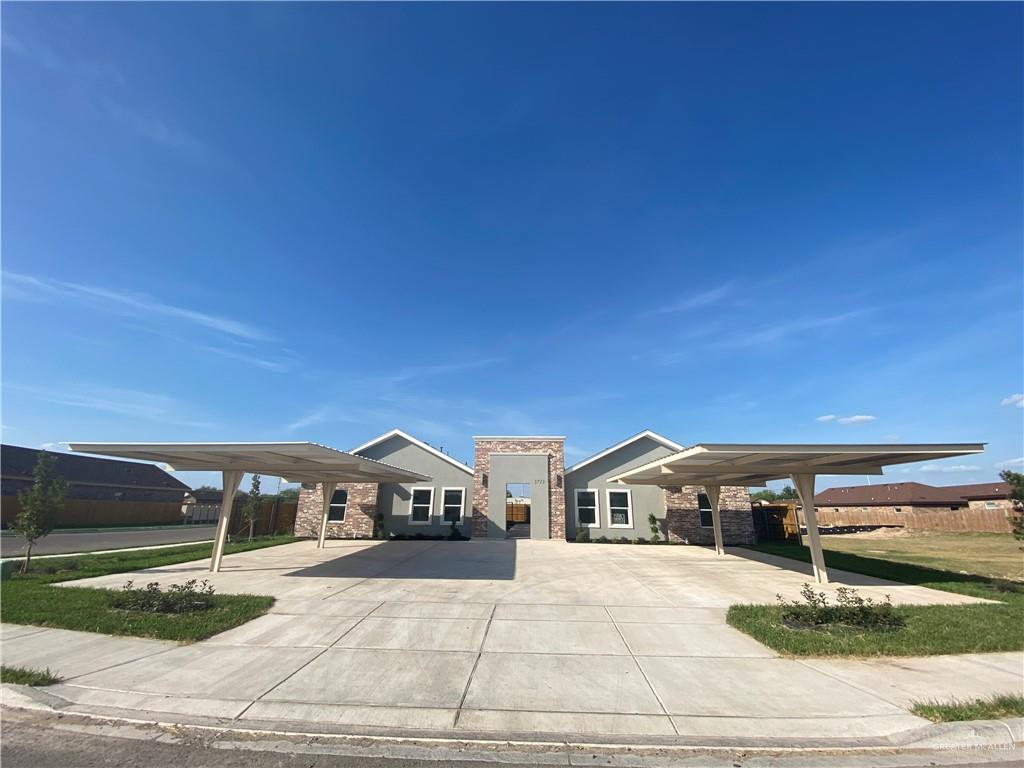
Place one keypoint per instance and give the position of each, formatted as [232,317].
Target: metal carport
[293,462]
[715,465]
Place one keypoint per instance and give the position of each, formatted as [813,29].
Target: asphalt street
[92,541]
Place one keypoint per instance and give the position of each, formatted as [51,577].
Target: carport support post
[805,490]
[328,489]
[232,478]
[714,495]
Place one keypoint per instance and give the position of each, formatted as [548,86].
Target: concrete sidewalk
[531,640]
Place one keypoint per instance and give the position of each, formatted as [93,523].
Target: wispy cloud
[780,332]
[1018,462]
[282,365]
[1016,400]
[123,303]
[858,419]
[135,404]
[949,468]
[695,301]
[104,86]
[417,372]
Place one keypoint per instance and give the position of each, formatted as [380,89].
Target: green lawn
[32,598]
[995,555]
[930,629]
[992,708]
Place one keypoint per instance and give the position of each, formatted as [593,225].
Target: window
[620,509]
[991,505]
[336,511]
[707,520]
[420,505]
[452,503]
[586,508]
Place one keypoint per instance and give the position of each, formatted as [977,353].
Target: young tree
[253,505]
[1016,481]
[40,504]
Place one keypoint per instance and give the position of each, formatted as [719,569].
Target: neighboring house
[100,491]
[560,500]
[977,507]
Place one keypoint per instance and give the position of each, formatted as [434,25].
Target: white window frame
[462,503]
[608,500]
[991,505]
[597,507]
[709,508]
[331,506]
[430,510]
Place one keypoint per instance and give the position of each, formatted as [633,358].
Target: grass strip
[929,630]
[33,599]
[992,708]
[24,676]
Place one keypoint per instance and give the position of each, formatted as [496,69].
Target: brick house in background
[980,507]
[560,500]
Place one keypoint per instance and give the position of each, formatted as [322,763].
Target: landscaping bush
[582,534]
[189,597]
[602,539]
[849,610]
[642,540]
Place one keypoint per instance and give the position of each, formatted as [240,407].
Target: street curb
[978,735]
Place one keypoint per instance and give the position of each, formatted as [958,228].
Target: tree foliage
[787,493]
[1016,481]
[40,504]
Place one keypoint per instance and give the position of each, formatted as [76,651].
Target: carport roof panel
[292,461]
[753,464]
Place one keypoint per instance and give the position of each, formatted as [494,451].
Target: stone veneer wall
[683,518]
[358,522]
[555,449]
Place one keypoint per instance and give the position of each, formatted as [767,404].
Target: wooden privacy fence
[922,519]
[276,517]
[85,513]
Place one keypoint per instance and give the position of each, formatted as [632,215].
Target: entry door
[518,468]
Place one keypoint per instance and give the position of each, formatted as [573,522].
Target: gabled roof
[983,490]
[910,493]
[17,463]
[417,443]
[885,494]
[639,436]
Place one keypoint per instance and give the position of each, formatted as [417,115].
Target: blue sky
[317,222]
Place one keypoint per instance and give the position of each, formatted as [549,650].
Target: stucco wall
[394,499]
[645,498]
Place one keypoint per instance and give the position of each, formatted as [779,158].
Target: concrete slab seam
[476,662]
[642,672]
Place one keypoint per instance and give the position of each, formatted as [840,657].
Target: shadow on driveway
[453,560]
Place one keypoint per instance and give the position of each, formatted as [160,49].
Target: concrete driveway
[510,637]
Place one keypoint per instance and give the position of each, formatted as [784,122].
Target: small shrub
[419,536]
[602,539]
[652,521]
[454,534]
[582,534]
[849,610]
[189,597]
[622,540]
[641,540]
